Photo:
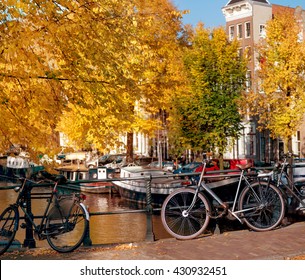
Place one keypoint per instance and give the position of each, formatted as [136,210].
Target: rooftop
[237,1]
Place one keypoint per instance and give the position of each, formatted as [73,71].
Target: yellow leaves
[96,10]
[134,22]
[185,12]
[282,73]
[133,42]
[81,68]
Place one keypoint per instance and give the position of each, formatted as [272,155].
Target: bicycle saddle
[244,166]
[60,179]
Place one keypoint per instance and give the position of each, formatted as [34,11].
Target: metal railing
[149,209]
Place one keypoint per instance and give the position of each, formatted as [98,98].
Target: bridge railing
[148,210]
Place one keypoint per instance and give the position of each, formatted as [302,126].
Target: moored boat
[93,180]
[133,184]
[134,188]
[17,166]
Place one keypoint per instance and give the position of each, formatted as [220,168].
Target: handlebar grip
[289,155]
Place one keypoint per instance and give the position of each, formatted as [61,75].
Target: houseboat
[89,180]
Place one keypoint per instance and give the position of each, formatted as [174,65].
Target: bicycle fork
[186,212]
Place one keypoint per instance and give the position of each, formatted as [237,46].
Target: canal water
[105,228]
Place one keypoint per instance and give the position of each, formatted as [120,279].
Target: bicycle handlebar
[43,177]
[290,155]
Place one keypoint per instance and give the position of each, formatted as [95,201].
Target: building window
[251,139]
[298,138]
[231,32]
[240,52]
[247,30]
[262,30]
[248,80]
[239,31]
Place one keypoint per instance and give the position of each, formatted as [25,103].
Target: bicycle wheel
[66,233]
[182,224]
[9,220]
[262,206]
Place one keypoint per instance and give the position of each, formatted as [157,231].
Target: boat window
[82,176]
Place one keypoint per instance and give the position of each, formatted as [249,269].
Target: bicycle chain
[223,213]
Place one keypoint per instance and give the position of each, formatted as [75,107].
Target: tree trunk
[129,156]
[221,161]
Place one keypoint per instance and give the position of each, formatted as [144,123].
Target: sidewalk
[283,243]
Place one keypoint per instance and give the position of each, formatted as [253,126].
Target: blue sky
[209,11]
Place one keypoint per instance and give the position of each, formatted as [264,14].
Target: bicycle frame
[68,217]
[186,212]
[289,184]
[38,228]
[222,203]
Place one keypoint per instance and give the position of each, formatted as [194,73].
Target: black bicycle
[64,222]
[294,190]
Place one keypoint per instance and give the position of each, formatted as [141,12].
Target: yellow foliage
[279,100]
[82,68]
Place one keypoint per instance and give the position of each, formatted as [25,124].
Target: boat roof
[72,169]
[132,171]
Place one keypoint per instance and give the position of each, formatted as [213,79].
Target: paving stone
[282,243]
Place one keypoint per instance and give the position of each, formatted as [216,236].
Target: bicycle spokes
[8,226]
[67,233]
[185,214]
[262,206]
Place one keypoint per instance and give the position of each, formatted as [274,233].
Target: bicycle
[186,212]
[294,192]
[64,222]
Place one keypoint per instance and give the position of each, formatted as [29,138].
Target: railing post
[29,240]
[149,211]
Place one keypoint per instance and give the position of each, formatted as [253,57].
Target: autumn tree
[91,69]
[279,100]
[30,99]
[209,115]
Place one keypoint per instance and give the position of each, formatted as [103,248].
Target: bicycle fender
[85,209]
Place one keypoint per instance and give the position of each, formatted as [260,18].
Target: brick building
[246,20]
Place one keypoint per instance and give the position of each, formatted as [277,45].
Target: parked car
[195,167]
[188,168]
[233,162]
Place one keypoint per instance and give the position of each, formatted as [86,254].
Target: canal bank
[287,242]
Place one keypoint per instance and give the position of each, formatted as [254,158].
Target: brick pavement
[283,243]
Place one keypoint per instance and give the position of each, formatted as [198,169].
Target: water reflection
[104,229]
[115,227]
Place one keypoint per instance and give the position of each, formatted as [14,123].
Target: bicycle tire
[65,234]
[183,226]
[266,206]
[9,220]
